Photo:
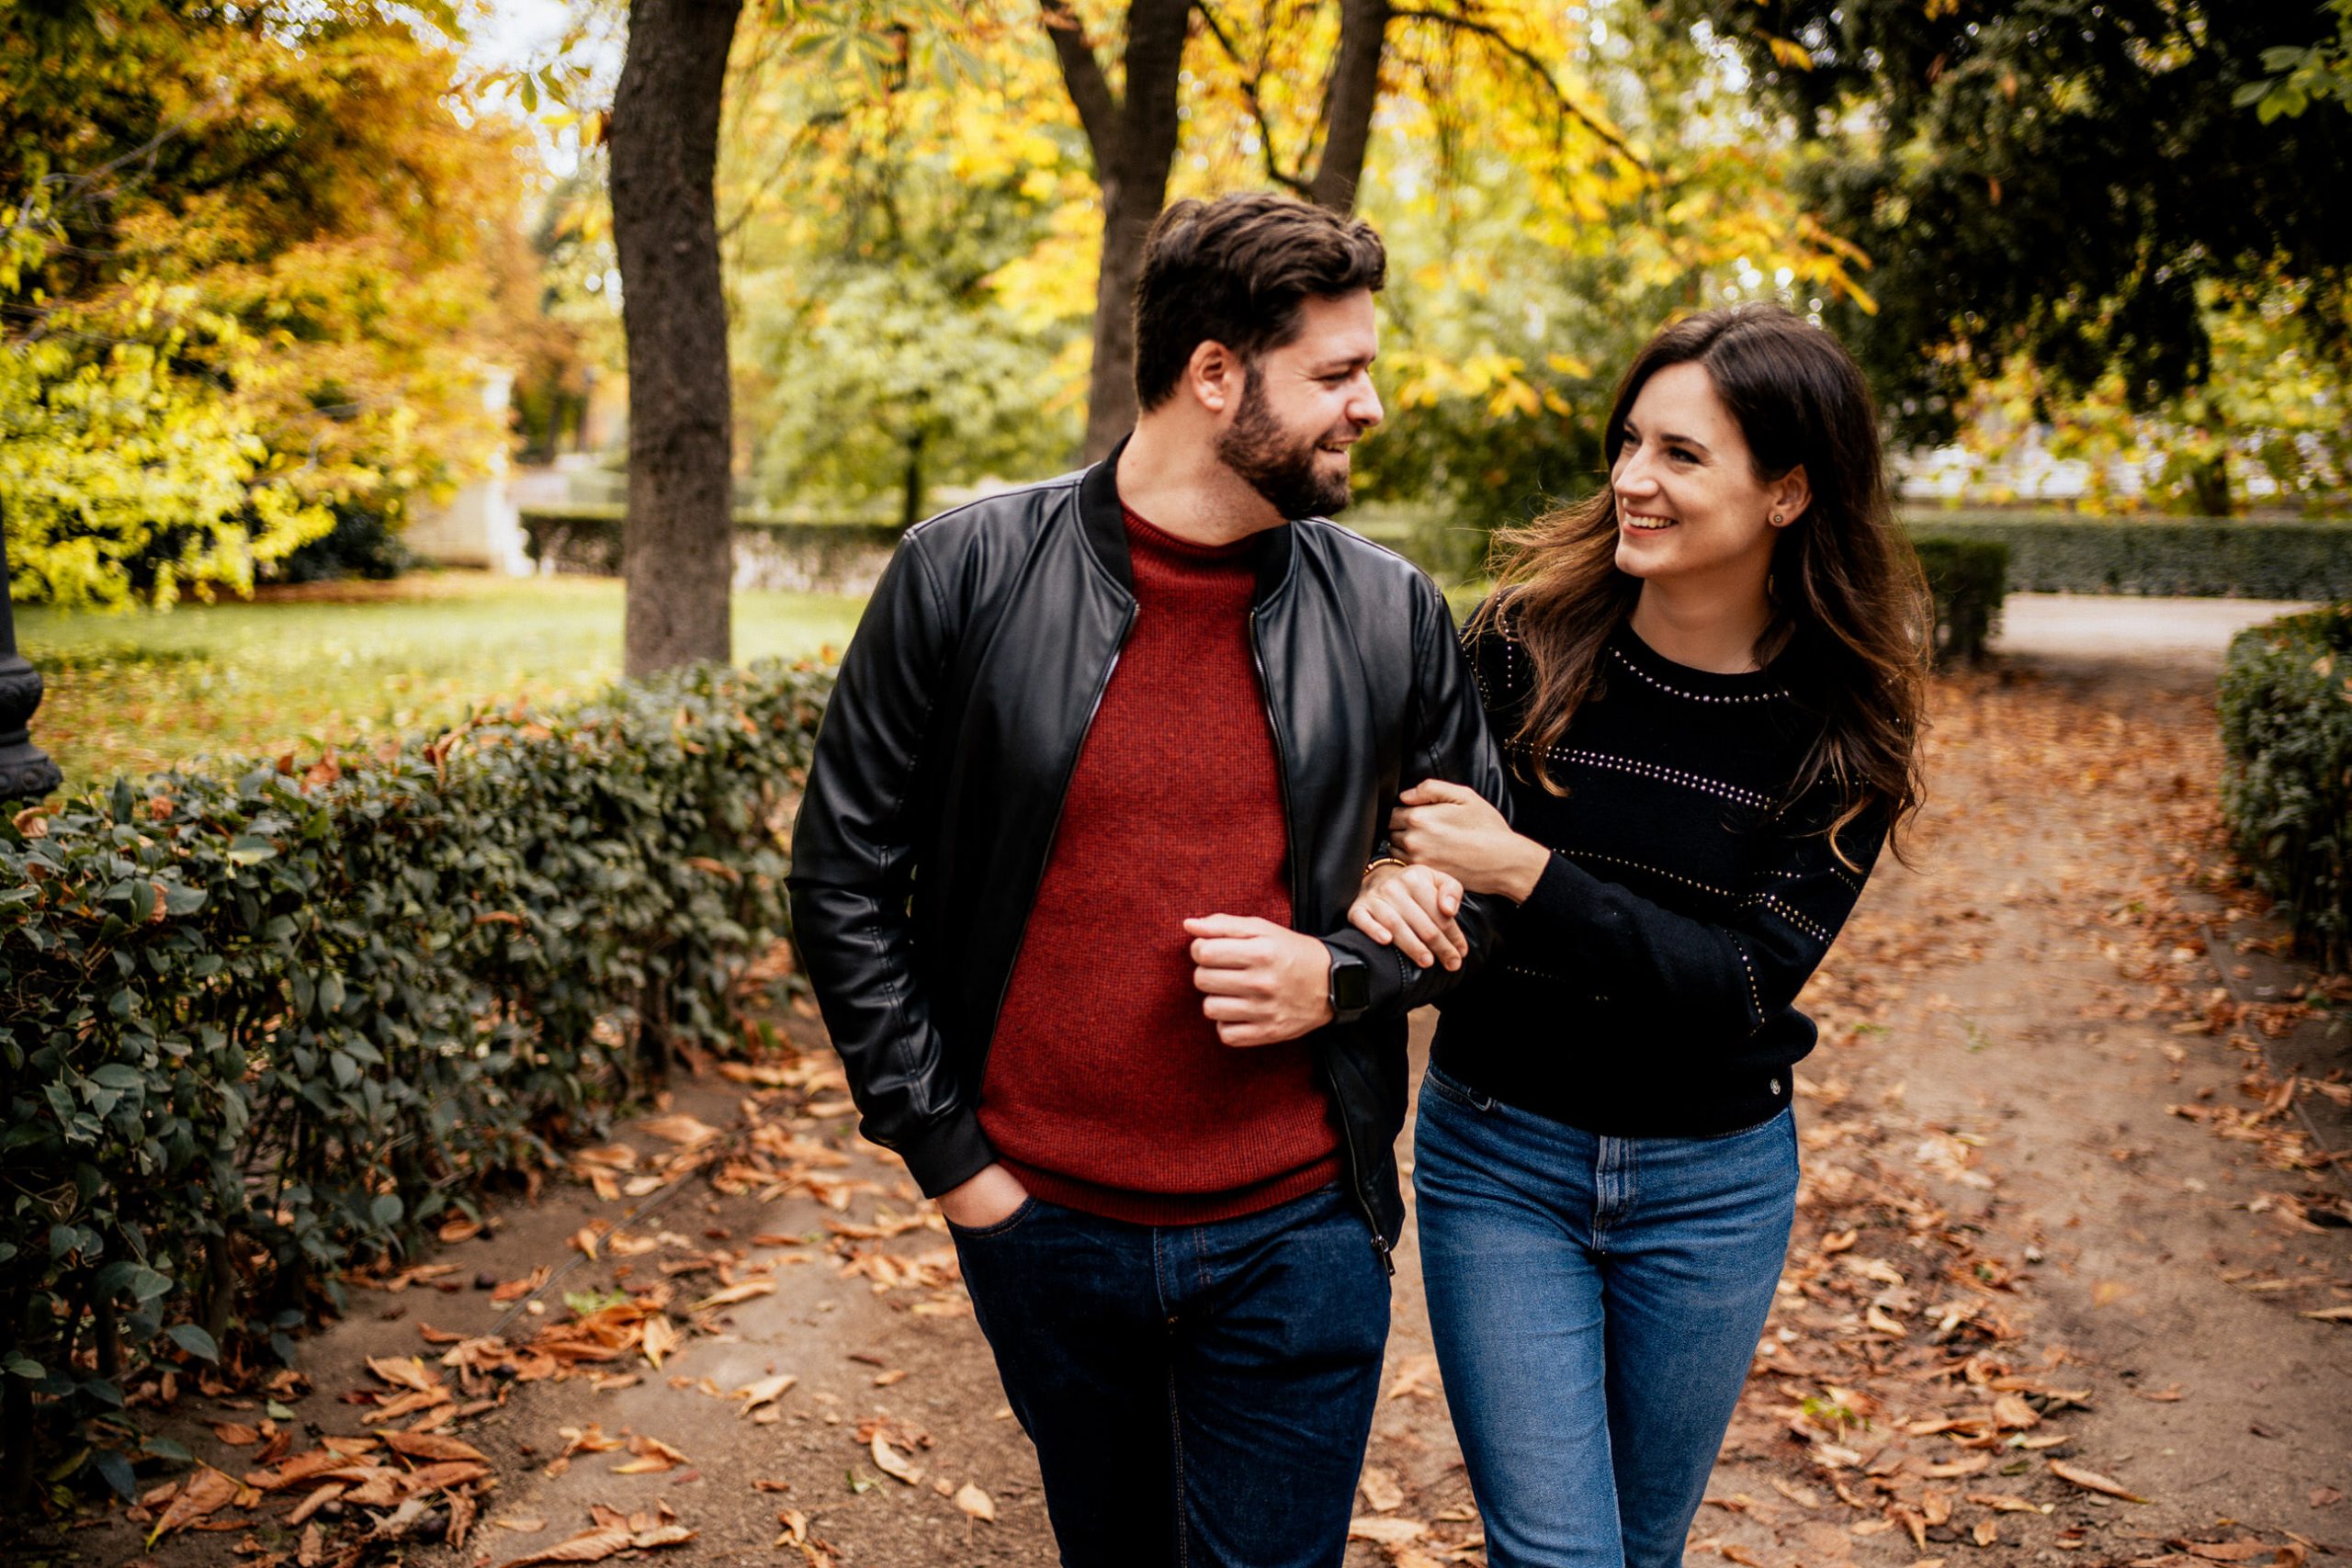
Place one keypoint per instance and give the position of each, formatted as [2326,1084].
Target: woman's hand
[1412,908]
[1458,831]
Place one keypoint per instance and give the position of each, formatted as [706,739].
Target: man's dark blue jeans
[1200,1396]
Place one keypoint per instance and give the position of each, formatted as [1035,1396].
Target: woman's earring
[1778,520]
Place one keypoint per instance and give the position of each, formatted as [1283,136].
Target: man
[1100,779]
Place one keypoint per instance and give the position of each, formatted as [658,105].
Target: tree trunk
[2209,485]
[677,549]
[910,501]
[1348,101]
[1133,136]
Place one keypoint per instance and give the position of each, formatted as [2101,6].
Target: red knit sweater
[1107,1090]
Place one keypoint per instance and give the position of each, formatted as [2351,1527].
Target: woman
[1707,682]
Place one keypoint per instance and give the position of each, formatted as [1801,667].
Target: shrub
[1968,578]
[2194,558]
[362,544]
[258,1023]
[2286,704]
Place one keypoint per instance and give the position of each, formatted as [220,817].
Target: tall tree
[677,551]
[1133,132]
[1268,51]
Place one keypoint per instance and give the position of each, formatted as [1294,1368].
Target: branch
[1249,79]
[1536,68]
[1097,109]
[1350,93]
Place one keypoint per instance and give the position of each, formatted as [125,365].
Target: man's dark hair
[1235,271]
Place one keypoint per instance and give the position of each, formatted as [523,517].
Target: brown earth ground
[2069,1232]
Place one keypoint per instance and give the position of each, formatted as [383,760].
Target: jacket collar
[1104,524]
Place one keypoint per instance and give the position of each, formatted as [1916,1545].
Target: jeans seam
[1176,1455]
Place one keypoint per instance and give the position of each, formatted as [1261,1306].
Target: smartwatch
[1350,985]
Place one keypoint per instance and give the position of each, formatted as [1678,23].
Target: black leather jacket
[939,768]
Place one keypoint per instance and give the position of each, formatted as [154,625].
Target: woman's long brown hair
[1847,598]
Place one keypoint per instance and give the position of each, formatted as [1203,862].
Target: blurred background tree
[257,258]
[2069,192]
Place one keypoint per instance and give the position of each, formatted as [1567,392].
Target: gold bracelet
[1386,860]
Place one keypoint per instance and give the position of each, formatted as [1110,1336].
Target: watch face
[1351,987]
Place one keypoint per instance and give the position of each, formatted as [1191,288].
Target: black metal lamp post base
[26,772]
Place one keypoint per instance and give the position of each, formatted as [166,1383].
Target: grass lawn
[342,662]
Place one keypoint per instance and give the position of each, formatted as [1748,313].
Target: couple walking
[1149,802]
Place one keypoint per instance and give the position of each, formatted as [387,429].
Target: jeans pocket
[989,1233]
[1456,1090]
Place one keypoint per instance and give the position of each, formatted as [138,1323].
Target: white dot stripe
[1771,696]
[1802,922]
[1748,969]
[1660,773]
[1643,866]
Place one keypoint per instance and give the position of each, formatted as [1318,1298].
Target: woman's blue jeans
[1595,1302]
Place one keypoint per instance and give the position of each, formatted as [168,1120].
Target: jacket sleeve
[1725,977]
[854,853]
[1450,740]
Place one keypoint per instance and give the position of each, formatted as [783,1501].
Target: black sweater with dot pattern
[1647,988]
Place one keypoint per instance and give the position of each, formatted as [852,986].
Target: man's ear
[1215,376]
[1790,495]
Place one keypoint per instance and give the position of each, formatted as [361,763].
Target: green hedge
[1968,578]
[256,1025]
[2200,558]
[2286,704]
[587,538]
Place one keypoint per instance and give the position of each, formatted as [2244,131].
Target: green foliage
[250,268]
[1968,578]
[2198,558]
[259,1025]
[2038,178]
[2303,74]
[886,348]
[2286,706]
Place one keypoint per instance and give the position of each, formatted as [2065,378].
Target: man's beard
[1276,464]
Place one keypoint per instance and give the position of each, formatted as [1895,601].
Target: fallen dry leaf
[893,1464]
[235,1434]
[734,1293]
[604,1540]
[204,1493]
[1381,1493]
[2092,1480]
[1385,1530]
[653,1456]
[689,1132]
[661,1337]
[2331,1315]
[767,1391]
[976,1503]
[430,1446]
[2326,1496]
[404,1372]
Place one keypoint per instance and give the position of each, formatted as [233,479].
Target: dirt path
[2015,1257]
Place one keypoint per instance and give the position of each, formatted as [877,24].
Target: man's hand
[1260,984]
[1412,907]
[985,1199]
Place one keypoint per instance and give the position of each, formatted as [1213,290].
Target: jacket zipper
[1297,891]
[1062,806]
